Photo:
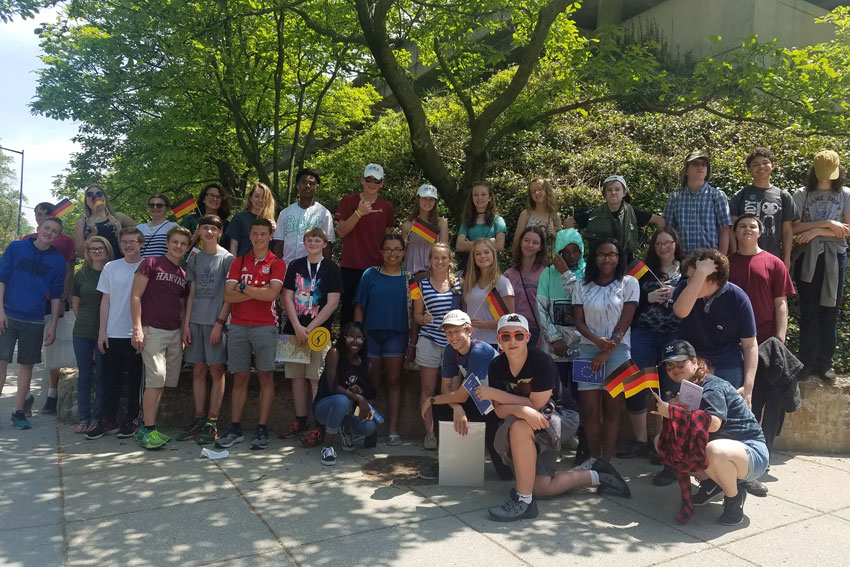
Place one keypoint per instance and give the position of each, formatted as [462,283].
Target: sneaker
[261,438]
[193,431]
[709,491]
[29,402]
[104,427]
[294,430]
[312,438]
[430,472]
[754,487]
[111,427]
[328,456]
[634,449]
[19,420]
[586,465]
[209,433]
[733,509]
[230,438]
[430,443]
[128,429]
[665,477]
[828,376]
[610,479]
[49,405]
[349,439]
[163,436]
[513,509]
[151,439]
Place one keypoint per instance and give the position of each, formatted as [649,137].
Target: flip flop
[393,439]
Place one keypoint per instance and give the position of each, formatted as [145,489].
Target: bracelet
[356,212]
[220,321]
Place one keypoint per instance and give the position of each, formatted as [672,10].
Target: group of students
[141,296]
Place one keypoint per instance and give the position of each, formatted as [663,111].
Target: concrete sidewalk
[66,500]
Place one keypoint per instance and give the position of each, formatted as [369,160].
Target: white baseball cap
[512,320]
[455,317]
[374,170]
[426,190]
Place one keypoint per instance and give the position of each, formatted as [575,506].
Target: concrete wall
[687,26]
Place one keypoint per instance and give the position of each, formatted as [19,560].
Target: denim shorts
[618,357]
[386,344]
[758,459]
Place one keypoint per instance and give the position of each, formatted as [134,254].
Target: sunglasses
[371,179]
[518,336]
[156,205]
[93,195]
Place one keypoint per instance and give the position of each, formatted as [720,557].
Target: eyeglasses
[350,339]
[660,243]
[213,196]
[609,256]
[517,336]
[374,180]
[156,205]
[95,194]
[99,249]
[392,250]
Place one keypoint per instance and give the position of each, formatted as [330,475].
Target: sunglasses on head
[518,336]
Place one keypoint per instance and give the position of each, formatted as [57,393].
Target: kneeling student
[524,387]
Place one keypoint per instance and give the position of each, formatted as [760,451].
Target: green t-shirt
[85,287]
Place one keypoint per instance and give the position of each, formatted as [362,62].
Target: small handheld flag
[638,270]
[99,201]
[62,208]
[613,383]
[646,378]
[184,207]
[496,304]
[425,231]
[413,288]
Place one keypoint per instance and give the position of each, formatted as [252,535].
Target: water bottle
[375,415]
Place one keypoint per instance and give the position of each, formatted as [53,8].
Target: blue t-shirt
[31,276]
[484,230]
[384,301]
[720,398]
[477,361]
[716,325]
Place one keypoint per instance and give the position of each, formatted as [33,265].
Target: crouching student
[524,387]
[157,308]
[736,452]
[344,384]
[462,356]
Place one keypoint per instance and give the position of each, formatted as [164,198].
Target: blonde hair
[452,265]
[87,255]
[88,211]
[551,198]
[267,210]
[473,272]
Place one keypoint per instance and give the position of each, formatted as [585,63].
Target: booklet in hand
[690,395]
[471,383]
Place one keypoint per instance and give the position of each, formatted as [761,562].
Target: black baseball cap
[679,351]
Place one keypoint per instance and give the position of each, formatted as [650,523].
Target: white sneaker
[328,456]
[585,466]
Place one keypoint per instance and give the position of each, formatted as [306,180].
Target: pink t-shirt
[64,244]
[525,292]
[161,301]
[361,248]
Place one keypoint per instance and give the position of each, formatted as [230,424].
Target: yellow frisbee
[319,338]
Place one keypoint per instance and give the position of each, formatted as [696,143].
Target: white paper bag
[461,458]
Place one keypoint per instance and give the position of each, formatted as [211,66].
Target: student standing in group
[212,200]
[85,303]
[530,259]
[305,213]
[120,359]
[30,270]
[100,220]
[774,207]
[541,209]
[423,229]
[203,328]
[253,284]
[259,204]
[480,221]
[156,231]
[311,292]
[362,221]
[698,211]
[486,291]
[158,307]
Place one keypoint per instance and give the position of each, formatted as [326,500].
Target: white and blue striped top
[438,304]
[156,238]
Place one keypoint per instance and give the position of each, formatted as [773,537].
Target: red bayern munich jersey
[256,273]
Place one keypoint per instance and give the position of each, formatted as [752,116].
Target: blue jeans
[647,350]
[332,412]
[817,323]
[90,365]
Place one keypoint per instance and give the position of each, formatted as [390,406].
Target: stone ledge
[823,423]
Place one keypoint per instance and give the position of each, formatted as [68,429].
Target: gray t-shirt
[820,205]
[773,206]
[208,272]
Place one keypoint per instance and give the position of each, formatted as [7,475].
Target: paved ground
[65,500]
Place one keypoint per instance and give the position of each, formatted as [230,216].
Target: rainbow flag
[646,378]
[638,269]
[425,231]
[62,208]
[184,207]
[613,383]
[414,289]
[496,304]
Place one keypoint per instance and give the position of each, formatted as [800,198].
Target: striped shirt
[438,304]
[156,238]
[698,218]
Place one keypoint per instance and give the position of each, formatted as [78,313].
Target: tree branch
[461,94]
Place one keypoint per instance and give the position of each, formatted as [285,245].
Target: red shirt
[361,248]
[256,273]
[63,243]
[763,278]
[162,299]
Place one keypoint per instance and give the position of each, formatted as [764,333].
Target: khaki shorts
[312,370]
[162,356]
[244,340]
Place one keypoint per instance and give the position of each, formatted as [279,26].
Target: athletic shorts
[30,338]
[201,351]
[428,353]
[243,340]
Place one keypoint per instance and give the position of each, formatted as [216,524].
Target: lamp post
[21,191]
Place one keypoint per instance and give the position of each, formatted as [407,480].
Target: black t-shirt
[348,377]
[641,216]
[720,398]
[538,374]
[311,286]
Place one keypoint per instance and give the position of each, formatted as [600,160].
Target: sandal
[430,443]
[393,439]
[82,427]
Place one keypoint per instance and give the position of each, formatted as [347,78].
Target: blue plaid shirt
[698,218]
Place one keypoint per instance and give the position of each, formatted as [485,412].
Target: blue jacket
[31,276]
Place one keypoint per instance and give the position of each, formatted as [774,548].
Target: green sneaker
[140,433]
[165,438]
[150,440]
[209,433]
[193,431]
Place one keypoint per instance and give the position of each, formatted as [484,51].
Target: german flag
[613,383]
[638,269]
[425,231]
[62,208]
[646,378]
[184,207]
[496,304]
[414,290]
[99,202]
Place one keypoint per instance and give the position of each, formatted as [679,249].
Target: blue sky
[46,143]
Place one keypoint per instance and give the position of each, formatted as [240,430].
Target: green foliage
[9,193]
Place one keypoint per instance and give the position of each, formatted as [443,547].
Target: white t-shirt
[156,238]
[116,279]
[478,308]
[603,305]
[294,221]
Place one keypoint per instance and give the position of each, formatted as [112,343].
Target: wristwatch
[432,399]
[220,322]
[242,287]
